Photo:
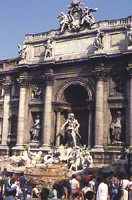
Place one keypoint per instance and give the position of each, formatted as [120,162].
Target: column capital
[23,79]
[101,74]
[7,85]
[23,82]
[48,77]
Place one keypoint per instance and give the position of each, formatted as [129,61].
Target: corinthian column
[47,121]
[22,112]
[130,107]
[6,85]
[99,112]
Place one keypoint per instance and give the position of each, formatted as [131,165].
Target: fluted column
[47,120]
[130,106]
[6,85]
[99,111]
[22,114]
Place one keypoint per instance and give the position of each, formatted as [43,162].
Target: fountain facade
[84,68]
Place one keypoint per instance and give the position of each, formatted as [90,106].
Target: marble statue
[76,158]
[77,18]
[35,158]
[36,92]
[35,130]
[87,16]
[98,43]
[72,128]
[48,48]
[22,52]
[64,21]
[116,128]
[27,159]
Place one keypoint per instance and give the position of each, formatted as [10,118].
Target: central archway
[77,96]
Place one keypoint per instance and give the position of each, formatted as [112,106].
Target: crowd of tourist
[110,187]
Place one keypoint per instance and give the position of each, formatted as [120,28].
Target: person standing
[54,193]
[5,184]
[84,191]
[74,185]
[29,190]
[102,190]
[12,176]
[44,194]
[124,187]
[35,191]
[11,192]
[23,182]
[114,184]
[91,185]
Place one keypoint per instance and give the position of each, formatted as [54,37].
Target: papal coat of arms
[77,17]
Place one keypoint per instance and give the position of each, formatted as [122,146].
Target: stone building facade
[84,68]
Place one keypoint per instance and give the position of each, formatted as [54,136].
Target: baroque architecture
[83,68]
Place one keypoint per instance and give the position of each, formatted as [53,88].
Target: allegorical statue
[72,129]
[98,43]
[64,21]
[48,48]
[22,52]
[36,92]
[35,130]
[87,16]
[117,127]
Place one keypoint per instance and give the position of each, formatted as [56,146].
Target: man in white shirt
[102,191]
[74,184]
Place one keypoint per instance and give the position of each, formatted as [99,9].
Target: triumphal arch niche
[83,68]
[76,95]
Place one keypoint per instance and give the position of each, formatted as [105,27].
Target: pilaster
[6,86]
[23,81]
[130,104]
[101,76]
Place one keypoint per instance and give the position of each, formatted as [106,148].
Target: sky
[21,17]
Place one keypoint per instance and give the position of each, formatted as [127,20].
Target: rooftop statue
[22,52]
[77,18]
